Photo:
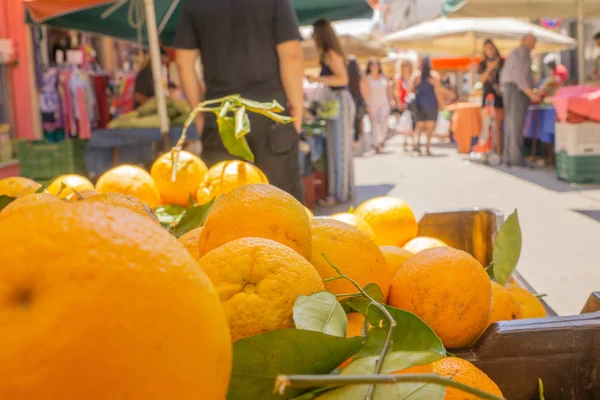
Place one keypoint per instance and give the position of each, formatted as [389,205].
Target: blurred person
[403,81]
[357,85]
[429,101]
[144,81]
[597,62]
[379,104]
[252,48]
[516,80]
[560,73]
[334,74]
[489,74]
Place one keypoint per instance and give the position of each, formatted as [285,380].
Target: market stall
[464,37]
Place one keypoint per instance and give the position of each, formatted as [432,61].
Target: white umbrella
[533,9]
[465,36]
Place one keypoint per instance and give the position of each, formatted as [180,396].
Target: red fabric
[85,130]
[587,105]
[100,86]
[560,74]
[402,89]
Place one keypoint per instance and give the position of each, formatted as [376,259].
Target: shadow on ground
[363,193]
[594,214]
[544,177]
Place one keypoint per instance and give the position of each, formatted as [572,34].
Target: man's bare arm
[190,84]
[291,66]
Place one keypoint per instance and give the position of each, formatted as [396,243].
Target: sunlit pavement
[560,222]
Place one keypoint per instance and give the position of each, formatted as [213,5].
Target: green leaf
[192,218]
[259,108]
[242,123]
[193,201]
[396,361]
[351,210]
[236,147]
[361,303]
[541,388]
[169,215]
[5,200]
[282,119]
[258,360]
[311,394]
[44,186]
[410,334]
[507,249]
[320,312]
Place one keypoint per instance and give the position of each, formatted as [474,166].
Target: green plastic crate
[577,169]
[44,160]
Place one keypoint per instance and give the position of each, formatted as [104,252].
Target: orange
[72,184]
[17,186]
[258,281]
[123,200]
[88,193]
[449,290]
[99,303]
[461,371]
[223,177]
[262,211]
[353,252]
[355,221]
[395,257]
[531,305]
[392,220]
[421,243]
[504,306]
[310,213]
[190,173]
[29,201]
[130,180]
[191,241]
[355,324]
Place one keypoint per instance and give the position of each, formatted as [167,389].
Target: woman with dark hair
[379,99]
[334,74]
[357,90]
[404,73]
[429,100]
[489,74]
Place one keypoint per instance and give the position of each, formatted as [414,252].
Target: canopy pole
[154,48]
[581,44]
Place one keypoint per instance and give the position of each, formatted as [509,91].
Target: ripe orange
[355,324]
[190,173]
[88,193]
[504,306]
[353,252]
[130,180]
[531,305]
[99,303]
[392,220]
[355,221]
[123,200]
[310,213]
[421,243]
[461,371]
[258,281]
[223,177]
[449,290]
[395,257]
[191,241]
[262,211]
[17,186]
[72,183]
[29,201]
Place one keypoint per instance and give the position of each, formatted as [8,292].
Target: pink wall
[12,25]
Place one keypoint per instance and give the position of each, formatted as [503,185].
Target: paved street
[560,223]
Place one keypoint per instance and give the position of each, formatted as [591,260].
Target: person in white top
[379,101]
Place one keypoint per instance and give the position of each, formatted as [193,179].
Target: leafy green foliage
[44,186]
[192,218]
[236,147]
[360,303]
[5,200]
[395,361]
[507,250]
[320,312]
[170,215]
[258,360]
[410,334]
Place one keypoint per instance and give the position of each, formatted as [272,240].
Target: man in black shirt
[251,48]
[144,82]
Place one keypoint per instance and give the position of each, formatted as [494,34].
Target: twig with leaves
[233,122]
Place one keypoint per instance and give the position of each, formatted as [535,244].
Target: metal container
[564,352]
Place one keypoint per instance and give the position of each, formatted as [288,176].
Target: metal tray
[564,352]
